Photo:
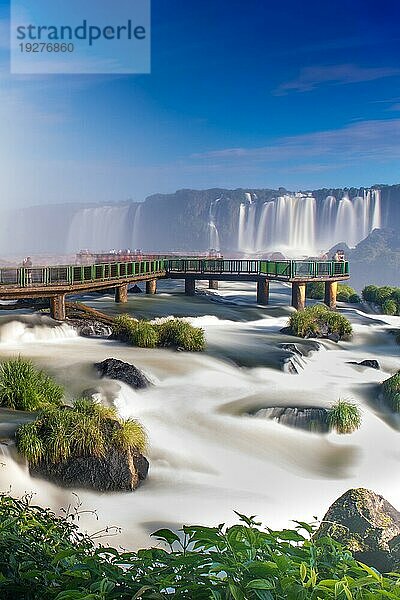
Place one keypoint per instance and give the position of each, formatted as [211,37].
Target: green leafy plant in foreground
[24,387]
[43,557]
[86,429]
[344,417]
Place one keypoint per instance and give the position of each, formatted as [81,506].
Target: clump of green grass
[385,296]
[317,321]
[24,387]
[130,434]
[86,429]
[181,334]
[123,327]
[145,335]
[175,333]
[344,417]
[391,392]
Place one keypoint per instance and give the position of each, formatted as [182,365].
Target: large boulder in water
[116,471]
[368,526]
[122,371]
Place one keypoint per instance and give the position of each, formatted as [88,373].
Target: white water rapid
[207,455]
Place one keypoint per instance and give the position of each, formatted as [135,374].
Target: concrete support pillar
[299,295]
[190,286]
[151,286]
[263,291]
[121,294]
[213,284]
[330,294]
[57,307]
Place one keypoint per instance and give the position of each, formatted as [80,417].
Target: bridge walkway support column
[57,307]
[121,294]
[330,294]
[263,291]
[151,286]
[299,295]
[213,284]
[190,286]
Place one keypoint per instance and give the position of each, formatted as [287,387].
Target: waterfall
[136,233]
[100,228]
[214,242]
[298,224]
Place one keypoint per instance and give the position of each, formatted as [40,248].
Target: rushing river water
[208,457]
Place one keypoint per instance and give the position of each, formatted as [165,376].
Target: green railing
[78,274]
[283,269]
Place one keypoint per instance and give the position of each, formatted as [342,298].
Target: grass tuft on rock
[344,417]
[145,335]
[86,429]
[319,321]
[174,333]
[131,433]
[391,392]
[181,334]
[24,387]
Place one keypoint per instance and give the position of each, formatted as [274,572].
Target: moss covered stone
[367,525]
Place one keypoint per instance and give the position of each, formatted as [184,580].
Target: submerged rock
[373,364]
[122,371]
[310,418]
[367,525]
[135,289]
[116,471]
[95,329]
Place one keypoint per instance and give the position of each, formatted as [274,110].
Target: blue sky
[241,94]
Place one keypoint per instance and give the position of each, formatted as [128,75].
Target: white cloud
[377,140]
[311,77]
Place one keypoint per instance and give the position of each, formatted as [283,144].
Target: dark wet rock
[290,366]
[122,371]
[94,329]
[291,348]
[117,471]
[286,331]
[373,364]
[310,418]
[135,289]
[368,526]
[334,337]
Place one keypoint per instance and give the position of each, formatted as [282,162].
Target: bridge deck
[58,281]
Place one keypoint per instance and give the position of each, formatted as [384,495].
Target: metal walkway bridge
[57,282]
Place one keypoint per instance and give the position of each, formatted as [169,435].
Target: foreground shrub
[175,333]
[319,321]
[43,557]
[24,387]
[391,392]
[87,429]
[344,417]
